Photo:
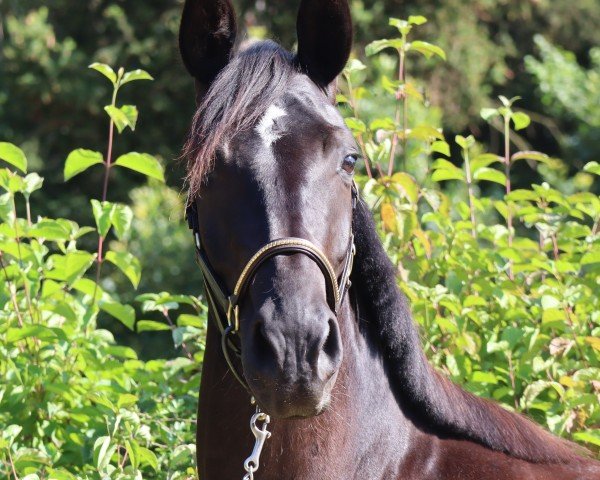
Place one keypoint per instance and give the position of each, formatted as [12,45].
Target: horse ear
[324,38]
[206,38]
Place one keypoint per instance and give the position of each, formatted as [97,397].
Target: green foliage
[503,284]
[74,403]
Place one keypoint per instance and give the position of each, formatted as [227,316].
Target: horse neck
[363,417]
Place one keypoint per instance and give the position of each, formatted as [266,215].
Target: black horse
[350,391]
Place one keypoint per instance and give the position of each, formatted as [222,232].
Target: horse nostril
[330,352]
[331,344]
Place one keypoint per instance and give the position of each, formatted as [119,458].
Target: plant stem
[13,292]
[361,142]
[165,313]
[12,465]
[470,189]
[400,96]
[28,210]
[509,216]
[18,240]
[107,167]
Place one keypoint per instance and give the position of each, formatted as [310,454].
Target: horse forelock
[237,100]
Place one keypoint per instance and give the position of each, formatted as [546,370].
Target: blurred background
[545,51]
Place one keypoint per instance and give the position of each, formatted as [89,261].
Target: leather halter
[225,308]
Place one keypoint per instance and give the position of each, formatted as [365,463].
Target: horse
[305,313]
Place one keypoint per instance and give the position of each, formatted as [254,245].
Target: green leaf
[590,258]
[70,267]
[484,377]
[133,450]
[590,436]
[484,160]
[151,326]
[30,331]
[592,167]
[147,457]
[11,432]
[103,451]
[491,175]
[142,163]
[488,113]
[465,142]
[13,155]
[417,19]
[105,70]
[381,124]
[402,25]
[125,116]
[444,174]
[136,75]
[79,161]
[407,186]
[185,320]
[49,230]
[377,46]
[441,146]
[356,125]
[124,313]
[425,133]
[32,183]
[121,218]
[427,49]
[530,155]
[506,102]
[520,195]
[521,120]
[11,182]
[354,65]
[128,264]
[103,212]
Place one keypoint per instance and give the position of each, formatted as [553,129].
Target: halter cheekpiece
[225,308]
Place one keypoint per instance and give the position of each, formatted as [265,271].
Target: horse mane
[254,79]
[433,401]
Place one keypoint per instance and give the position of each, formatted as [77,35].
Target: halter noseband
[225,308]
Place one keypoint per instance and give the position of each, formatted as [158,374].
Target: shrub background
[489,207]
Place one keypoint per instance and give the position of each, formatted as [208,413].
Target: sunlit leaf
[151,326]
[121,218]
[13,155]
[428,49]
[105,70]
[128,264]
[135,75]
[142,163]
[530,155]
[592,167]
[521,120]
[377,46]
[79,161]
[490,175]
[488,113]
[124,313]
[388,217]
[103,212]
[123,117]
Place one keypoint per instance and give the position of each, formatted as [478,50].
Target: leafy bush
[73,403]
[503,282]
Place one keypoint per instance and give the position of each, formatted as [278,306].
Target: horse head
[270,158]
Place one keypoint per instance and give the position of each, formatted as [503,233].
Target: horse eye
[349,163]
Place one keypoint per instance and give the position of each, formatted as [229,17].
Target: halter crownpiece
[225,308]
